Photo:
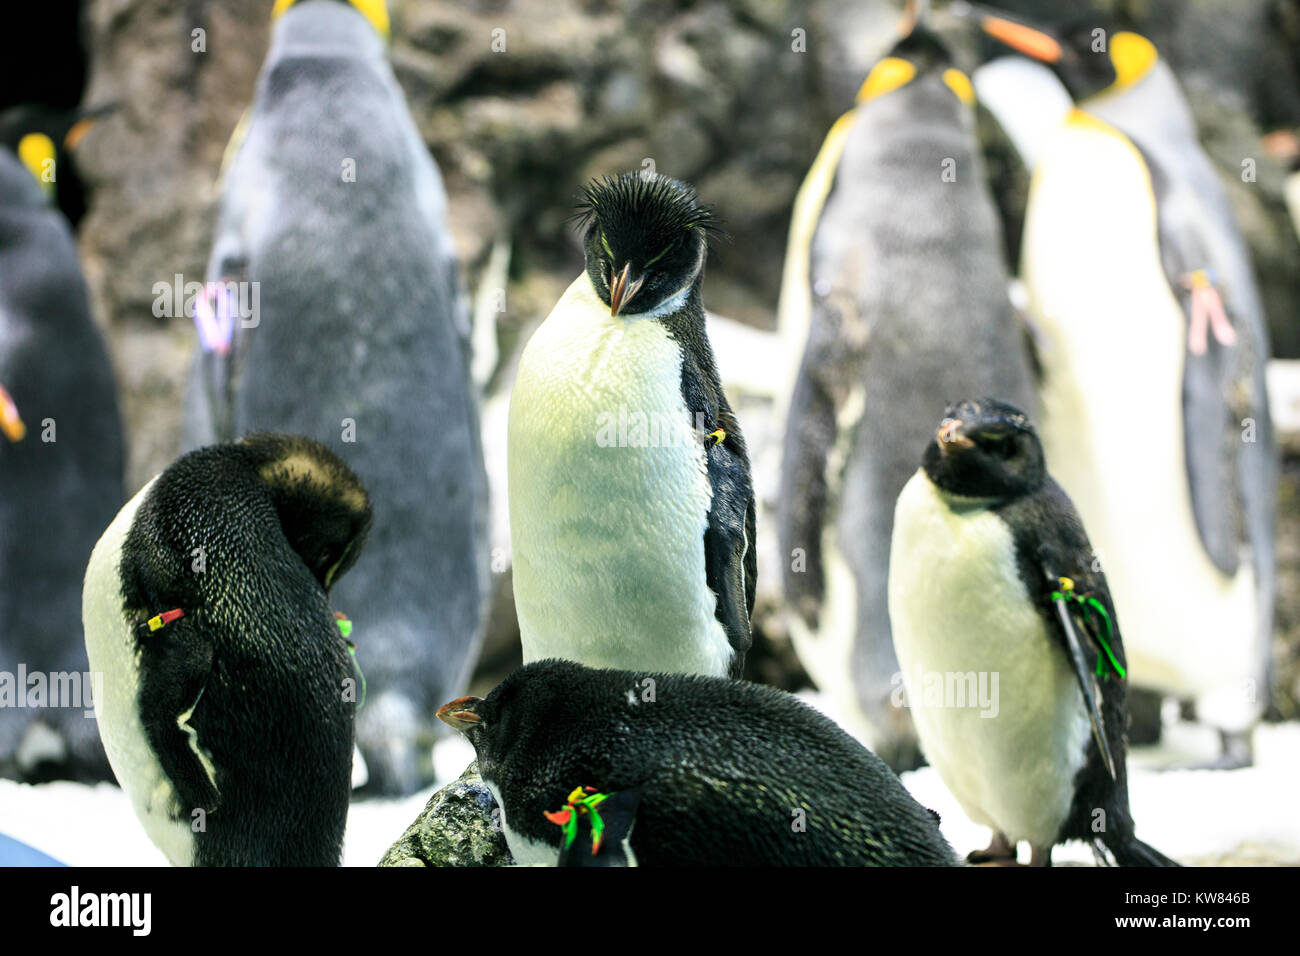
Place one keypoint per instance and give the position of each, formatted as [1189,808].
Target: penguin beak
[623,288]
[458,714]
[1023,39]
[949,436]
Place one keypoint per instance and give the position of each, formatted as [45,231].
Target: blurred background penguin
[332,230]
[895,293]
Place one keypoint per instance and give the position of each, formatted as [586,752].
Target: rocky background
[521,102]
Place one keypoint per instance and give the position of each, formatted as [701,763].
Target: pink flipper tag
[1208,314]
[214,318]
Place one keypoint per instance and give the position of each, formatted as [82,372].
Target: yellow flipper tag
[10,423]
[718,436]
[1133,56]
[1067,584]
[889,74]
[376,11]
[960,84]
[36,150]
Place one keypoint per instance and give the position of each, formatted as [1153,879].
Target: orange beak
[456,715]
[1027,40]
[622,289]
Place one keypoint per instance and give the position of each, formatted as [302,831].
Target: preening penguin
[631,502]
[228,689]
[61,460]
[895,295]
[711,772]
[336,312]
[992,578]
[1137,273]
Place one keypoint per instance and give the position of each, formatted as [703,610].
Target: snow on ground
[1196,816]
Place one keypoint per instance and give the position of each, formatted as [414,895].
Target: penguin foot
[999,852]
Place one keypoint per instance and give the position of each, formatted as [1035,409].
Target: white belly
[1008,740]
[1112,422]
[609,497]
[110,645]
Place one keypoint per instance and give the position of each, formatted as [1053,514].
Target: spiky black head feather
[652,226]
[986,449]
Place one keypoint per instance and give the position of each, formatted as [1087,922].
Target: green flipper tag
[1097,609]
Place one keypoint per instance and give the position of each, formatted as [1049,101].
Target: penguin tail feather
[1133,852]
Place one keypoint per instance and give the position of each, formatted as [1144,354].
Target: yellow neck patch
[36,150]
[959,83]
[376,11]
[889,74]
[1133,57]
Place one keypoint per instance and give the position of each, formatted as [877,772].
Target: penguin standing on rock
[631,501]
[895,294]
[332,229]
[1137,274]
[992,579]
[228,690]
[700,771]
[61,459]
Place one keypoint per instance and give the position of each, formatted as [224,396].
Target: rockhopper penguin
[895,295]
[992,577]
[228,689]
[715,772]
[333,213]
[631,502]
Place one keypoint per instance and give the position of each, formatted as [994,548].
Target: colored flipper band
[583,800]
[157,622]
[345,628]
[10,423]
[1208,313]
[718,436]
[214,317]
[1091,605]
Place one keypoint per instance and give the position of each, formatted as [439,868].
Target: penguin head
[919,53]
[646,239]
[985,449]
[45,140]
[1089,59]
[375,12]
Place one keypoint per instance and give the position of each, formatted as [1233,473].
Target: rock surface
[456,828]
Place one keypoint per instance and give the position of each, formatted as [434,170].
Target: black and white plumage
[334,211]
[60,482]
[631,501]
[895,295]
[230,725]
[722,772]
[983,540]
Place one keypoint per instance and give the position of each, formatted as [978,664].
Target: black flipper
[1215,400]
[171,696]
[730,556]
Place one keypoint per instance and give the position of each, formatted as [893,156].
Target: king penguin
[614,767]
[228,689]
[61,461]
[332,229]
[991,578]
[1154,404]
[631,501]
[895,293]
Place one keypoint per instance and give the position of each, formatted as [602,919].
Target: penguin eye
[999,443]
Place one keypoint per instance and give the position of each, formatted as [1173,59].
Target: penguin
[334,310]
[597,828]
[61,466]
[992,578]
[631,499]
[45,139]
[228,688]
[895,295]
[1136,273]
[702,771]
